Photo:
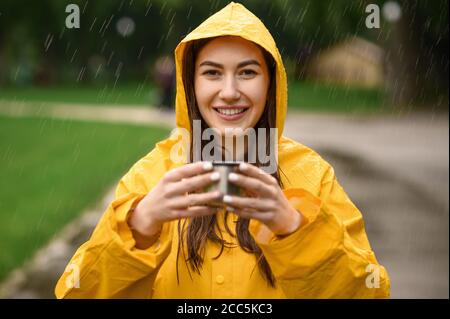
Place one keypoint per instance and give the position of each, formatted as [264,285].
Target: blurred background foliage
[37,49]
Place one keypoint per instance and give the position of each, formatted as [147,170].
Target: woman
[295,234]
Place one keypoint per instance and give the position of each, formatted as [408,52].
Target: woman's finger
[252,214]
[188,170]
[194,199]
[256,172]
[192,184]
[251,203]
[253,185]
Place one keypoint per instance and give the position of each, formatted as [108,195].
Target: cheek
[257,92]
[204,92]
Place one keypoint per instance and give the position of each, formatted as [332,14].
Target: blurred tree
[417,54]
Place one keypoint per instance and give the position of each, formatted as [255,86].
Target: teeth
[230,111]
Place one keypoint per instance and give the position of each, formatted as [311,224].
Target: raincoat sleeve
[329,256]
[108,265]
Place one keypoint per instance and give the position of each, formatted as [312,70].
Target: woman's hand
[174,198]
[267,203]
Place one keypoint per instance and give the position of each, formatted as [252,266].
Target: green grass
[52,169]
[338,99]
[302,96]
[136,94]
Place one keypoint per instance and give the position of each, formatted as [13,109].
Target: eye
[248,73]
[211,72]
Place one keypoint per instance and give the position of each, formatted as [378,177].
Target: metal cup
[223,185]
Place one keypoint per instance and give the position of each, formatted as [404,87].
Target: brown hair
[200,229]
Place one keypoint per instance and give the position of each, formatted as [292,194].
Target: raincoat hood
[233,20]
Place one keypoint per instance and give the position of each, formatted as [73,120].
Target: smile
[231,113]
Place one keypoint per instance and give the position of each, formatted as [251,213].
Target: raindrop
[168,13]
[171,20]
[278,21]
[73,56]
[118,69]
[140,52]
[101,93]
[110,58]
[104,46]
[48,41]
[120,7]
[92,25]
[139,89]
[149,7]
[101,28]
[85,5]
[344,11]
[117,73]
[81,74]
[168,32]
[98,71]
[107,25]
[62,32]
[160,42]
[162,8]
[17,73]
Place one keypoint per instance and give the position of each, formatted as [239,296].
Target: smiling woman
[230,84]
[293,233]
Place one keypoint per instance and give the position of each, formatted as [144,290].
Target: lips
[231,113]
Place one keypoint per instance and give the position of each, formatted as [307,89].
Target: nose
[230,91]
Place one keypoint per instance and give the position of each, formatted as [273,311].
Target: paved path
[131,114]
[395,169]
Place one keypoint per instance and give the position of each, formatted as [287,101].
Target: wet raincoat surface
[329,256]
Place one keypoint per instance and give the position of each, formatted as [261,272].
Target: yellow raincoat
[328,257]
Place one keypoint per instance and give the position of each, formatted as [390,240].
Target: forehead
[230,49]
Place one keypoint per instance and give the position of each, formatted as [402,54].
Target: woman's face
[231,83]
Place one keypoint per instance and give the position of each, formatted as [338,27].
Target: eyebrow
[220,66]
